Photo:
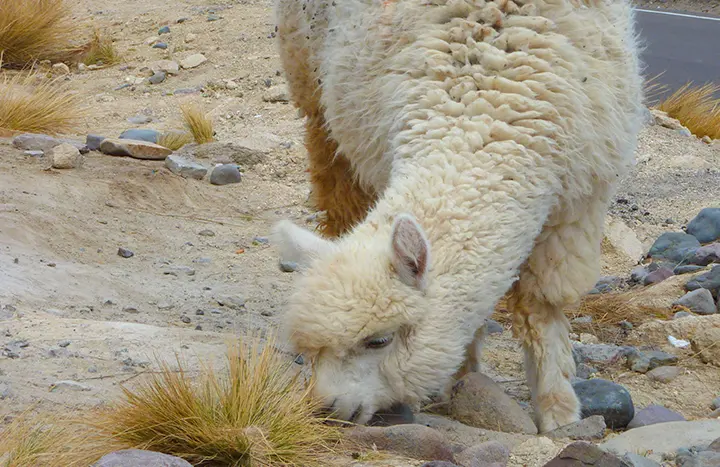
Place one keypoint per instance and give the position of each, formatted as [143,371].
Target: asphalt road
[685,46]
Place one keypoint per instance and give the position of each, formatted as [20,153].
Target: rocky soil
[110,262]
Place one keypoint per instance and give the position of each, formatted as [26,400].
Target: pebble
[190,37]
[175,270]
[706,225]
[185,319]
[653,414]
[584,371]
[225,174]
[157,78]
[636,460]
[589,428]
[232,302]
[5,391]
[185,167]
[206,233]
[715,404]
[643,361]
[35,142]
[65,156]
[583,453]
[165,306]
[63,344]
[67,385]
[170,67]
[130,309]
[481,455]
[664,374]
[140,134]
[193,61]
[598,354]
[213,17]
[289,266]
[601,397]
[681,314]
[606,284]
[276,94]
[93,141]
[164,30]
[493,327]
[699,301]
[139,119]
[60,69]
[709,280]
[658,276]
[140,458]
[674,246]
[151,40]
[478,401]
[412,440]
[684,132]
[34,153]
[125,253]
[134,148]
[160,45]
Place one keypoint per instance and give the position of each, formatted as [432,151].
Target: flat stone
[636,460]
[709,280]
[706,255]
[225,174]
[93,142]
[664,374]
[583,453]
[193,61]
[185,168]
[242,154]
[493,327]
[481,455]
[170,67]
[35,142]
[658,276]
[601,397]
[414,441]
[681,315]
[699,301]
[589,428]
[478,401]
[653,414]
[643,361]
[134,148]
[65,156]
[67,385]
[288,266]
[706,225]
[125,253]
[157,77]
[664,438]
[140,458]
[164,30]
[276,94]
[141,134]
[705,343]
[598,354]
[674,246]
[687,269]
[160,45]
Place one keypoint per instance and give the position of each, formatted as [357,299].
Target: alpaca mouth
[397,414]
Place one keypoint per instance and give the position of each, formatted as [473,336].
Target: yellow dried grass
[100,50]
[175,140]
[198,123]
[697,108]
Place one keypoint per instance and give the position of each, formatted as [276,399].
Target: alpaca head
[361,315]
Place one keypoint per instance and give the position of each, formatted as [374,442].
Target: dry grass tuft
[37,30]
[32,103]
[175,140]
[100,50]
[259,415]
[697,108]
[198,123]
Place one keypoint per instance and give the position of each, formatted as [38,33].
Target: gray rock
[64,343]
[706,225]
[598,354]
[582,320]
[289,266]
[206,233]
[658,276]
[715,445]
[709,280]
[482,455]
[664,374]
[584,371]
[674,246]
[242,155]
[699,301]
[583,453]
[607,284]
[141,134]
[125,253]
[643,361]
[140,458]
[698,459]
[412,440]
[65,156]
[478,401]
[664,438]
[276,94]
[601,397]
[232,302]
[139,119]
[160,45]
[130,309]
[169,67]
[398,414]
[193,61]
[638,274]
[5,391]
[93,142]
[184,167]
[225,174]
[687,269]
[681,315]
[706,255]
[684,132]
[134,148]
[636,460]
[67,385]
[715,404]
[589,428]
[35,142]
[157,78]
[493,327]
[653,414]
[164,30]
[34,153]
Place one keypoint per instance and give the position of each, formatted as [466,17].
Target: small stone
[213,17]
[643,361]
[684,132]
[709,280]
[706,255]
[93,141]
[478,401]
[658,276]
[664,374]
[140,134]
[715,445]
[34,153]
[589,428]
[599,354]
[653,414]
[411,440]
[193,61]
[184,167]
[607,284]
[130,309]
[715,404]
[289,266]
[140,458]
[60,69]
[206,233]
[638,274]
[63,344]
[185,319]
[134,148]
[482,455]
[139,119]
[68,385]
[276,94]
[230,84]
[493,327]
[5,391]
[583,453]
[225,174]
[125,253]
[601,397]
[626,325]
[35,142]
[65,156]
[200,312]
[636,460]
[190,37]
[674,246]
[681,315]
[234,302]
[584,371]
[165,306]
[160,45]
[699,301]
[167,66]
[157,78]
[582,320]
[706,225]
[164,30]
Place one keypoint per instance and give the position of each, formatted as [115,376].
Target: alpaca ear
[299,245]
[410,251]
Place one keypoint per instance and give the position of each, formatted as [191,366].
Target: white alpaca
[494,134]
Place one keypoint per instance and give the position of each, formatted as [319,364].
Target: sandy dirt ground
[72,309]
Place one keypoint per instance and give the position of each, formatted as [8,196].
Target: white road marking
[684,15]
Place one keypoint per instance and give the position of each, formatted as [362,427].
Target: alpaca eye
[378,342]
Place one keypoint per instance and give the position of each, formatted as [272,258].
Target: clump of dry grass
[697,108]
[100,50]
[32,103]
[198,123]
[175,140]
[260,414]
[37,30]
